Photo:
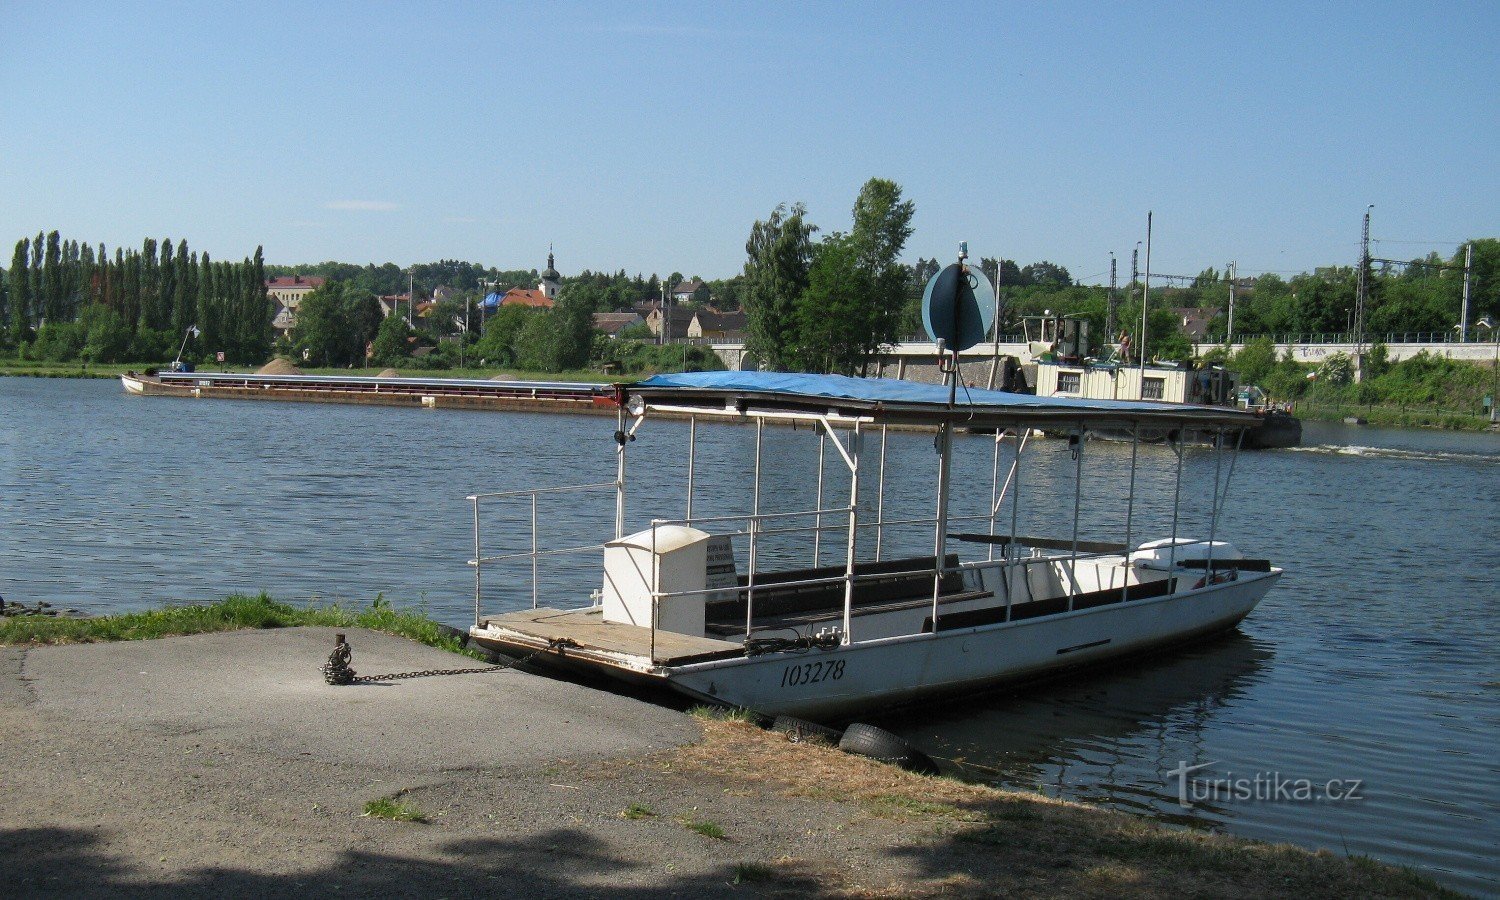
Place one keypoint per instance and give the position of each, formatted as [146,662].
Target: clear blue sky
[650,136]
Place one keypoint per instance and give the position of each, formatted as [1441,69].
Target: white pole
[692,453]
[1145,305]
[856,442]
[623,437]
[880,497]
[818,506]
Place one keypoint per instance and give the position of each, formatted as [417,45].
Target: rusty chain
[336,670]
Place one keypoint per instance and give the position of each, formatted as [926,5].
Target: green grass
[896,806]
[75,369]
[638,811]
[705,828]
[230,614]
[394,810]
[722,714]
[1394,415]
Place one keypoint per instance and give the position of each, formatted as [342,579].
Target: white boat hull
[132,384]
[904,670]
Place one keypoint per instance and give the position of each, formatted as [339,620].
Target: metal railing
[479,560]
[1349,337]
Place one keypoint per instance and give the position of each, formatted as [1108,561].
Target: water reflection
[1109,735]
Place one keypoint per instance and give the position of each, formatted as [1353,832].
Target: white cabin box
[678,561]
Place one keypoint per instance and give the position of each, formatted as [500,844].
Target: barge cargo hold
[446,393]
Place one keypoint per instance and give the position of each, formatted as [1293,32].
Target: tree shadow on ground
[68,862]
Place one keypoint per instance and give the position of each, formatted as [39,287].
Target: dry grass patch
[1011,842]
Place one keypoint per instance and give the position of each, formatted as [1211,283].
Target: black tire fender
[798,730]
[877,743]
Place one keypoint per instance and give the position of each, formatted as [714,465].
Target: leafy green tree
[779,259]
[335,322]
[392,346]
[497,346]
[108,337]
[1255,360]
[324,326]
[1046,273]
[58,341]
[835,317]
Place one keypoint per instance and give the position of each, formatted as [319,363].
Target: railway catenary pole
[1114,303]
[1463,316]
[1362,294]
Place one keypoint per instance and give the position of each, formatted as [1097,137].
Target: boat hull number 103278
[812,673]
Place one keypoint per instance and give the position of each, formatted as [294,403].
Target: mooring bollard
[336,670]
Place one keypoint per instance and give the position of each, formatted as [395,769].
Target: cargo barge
[431,393]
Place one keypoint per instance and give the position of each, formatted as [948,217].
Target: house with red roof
[288,291]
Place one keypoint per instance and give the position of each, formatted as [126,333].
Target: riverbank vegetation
[64,301]
[1424,390]
[230,614]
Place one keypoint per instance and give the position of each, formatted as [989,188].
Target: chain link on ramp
[337,670]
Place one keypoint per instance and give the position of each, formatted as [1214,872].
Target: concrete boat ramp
[223,765]
[262,690]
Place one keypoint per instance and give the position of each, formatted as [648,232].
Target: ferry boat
[1058,347]
[689,603]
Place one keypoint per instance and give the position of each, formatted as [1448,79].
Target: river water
[1373,661]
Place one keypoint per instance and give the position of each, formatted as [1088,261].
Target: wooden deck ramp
[588,631]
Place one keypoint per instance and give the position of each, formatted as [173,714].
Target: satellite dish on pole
[958,307]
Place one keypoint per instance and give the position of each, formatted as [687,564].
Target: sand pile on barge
[388,373]
[278,366]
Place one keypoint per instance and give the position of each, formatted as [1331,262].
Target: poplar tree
[130,284]
[779,257]
[167,287]
[19,280]
[185,277]
[52,287]
[150,310]
[208,308]
[38,245]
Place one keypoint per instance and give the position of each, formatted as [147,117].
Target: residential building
[712,325]
[1194,321]
[677,322]
[288,291]
[684,292]
[612,323]
[392,304]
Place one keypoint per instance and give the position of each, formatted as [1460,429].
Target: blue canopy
[890,399]
[491,301]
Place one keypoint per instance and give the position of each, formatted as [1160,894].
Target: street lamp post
[1494,327]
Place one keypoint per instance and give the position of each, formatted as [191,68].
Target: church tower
[551,281]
